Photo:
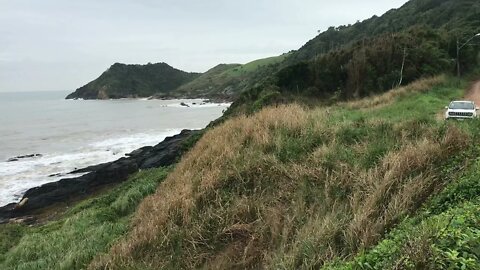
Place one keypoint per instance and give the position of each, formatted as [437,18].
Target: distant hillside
[227,81]
[121,81]
[214,82]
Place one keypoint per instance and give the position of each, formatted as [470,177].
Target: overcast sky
[62,45]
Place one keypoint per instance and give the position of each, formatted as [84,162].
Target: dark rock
[184,104]
[56,175]
[163,154]
[23,157]
[139,151]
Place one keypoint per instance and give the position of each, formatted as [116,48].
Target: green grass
[85,231]
[412,106]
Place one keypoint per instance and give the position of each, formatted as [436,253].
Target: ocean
[71,134]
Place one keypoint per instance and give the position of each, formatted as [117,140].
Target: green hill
[215,83]
[121,81]
[227,81]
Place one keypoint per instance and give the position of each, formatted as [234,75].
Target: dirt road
[473,93]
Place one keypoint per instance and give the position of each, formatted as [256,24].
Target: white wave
[198,105]
[19,176]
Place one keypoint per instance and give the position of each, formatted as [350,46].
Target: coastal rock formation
[163,154]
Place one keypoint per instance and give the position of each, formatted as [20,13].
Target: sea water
[71,134]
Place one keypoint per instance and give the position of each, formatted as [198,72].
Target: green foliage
[448,240]
[85,231]
[371,66]
[459,17]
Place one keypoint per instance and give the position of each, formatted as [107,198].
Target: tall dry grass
[284,188]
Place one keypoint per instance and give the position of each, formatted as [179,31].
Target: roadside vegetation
[85,230]
[297,188]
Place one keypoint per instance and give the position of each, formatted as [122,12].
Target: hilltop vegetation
[121,81]
[456,17]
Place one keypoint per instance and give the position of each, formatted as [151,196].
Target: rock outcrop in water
[163,154]
[17,158]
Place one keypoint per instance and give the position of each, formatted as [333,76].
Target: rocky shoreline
[95,177]
[205,100]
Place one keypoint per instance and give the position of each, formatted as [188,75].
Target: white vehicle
[461,110]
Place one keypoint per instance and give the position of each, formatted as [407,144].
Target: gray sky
[63,44]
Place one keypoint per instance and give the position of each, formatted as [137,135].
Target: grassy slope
[227,80]
[255,65]
[444,235]
[294,188]
[85,231]
[209,83]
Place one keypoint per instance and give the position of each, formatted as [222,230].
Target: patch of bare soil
[473,94]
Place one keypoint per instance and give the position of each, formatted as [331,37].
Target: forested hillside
[345,62]
[458,17]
